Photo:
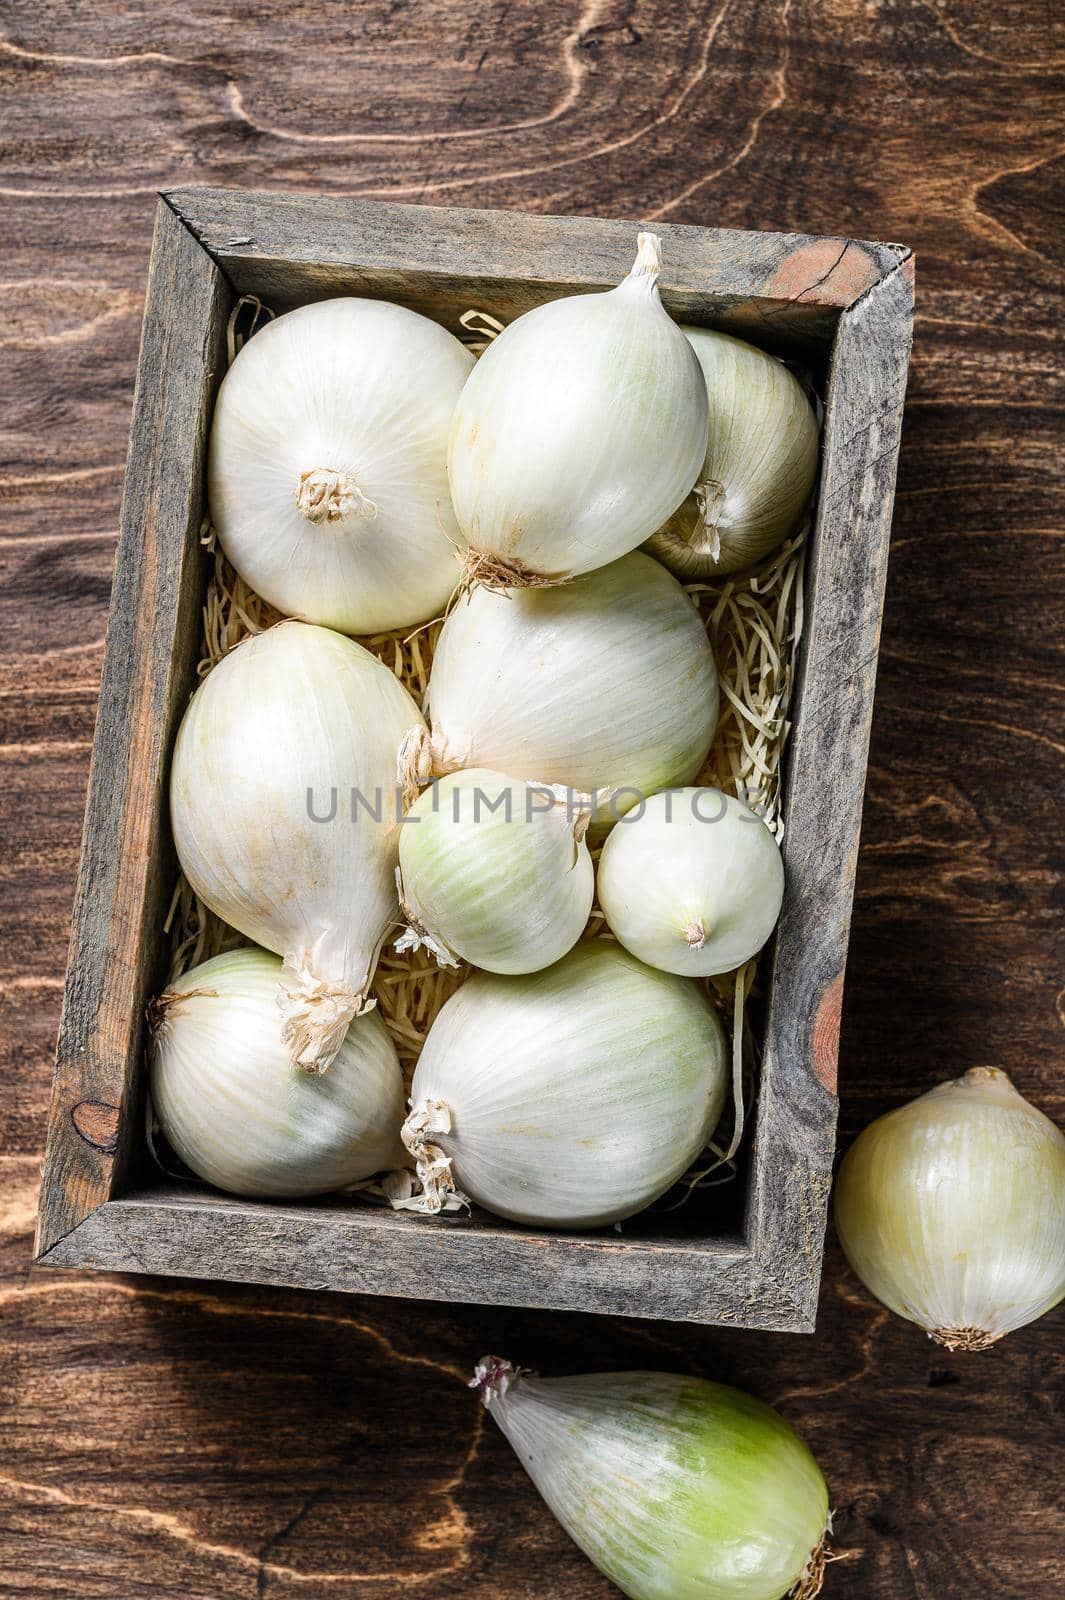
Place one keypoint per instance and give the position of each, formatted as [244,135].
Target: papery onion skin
[760,466]
[289,721]
[576,1095]
[603,684]
[237,1110]
[581,428]
[693,883]
[951,1210]
[327,469]
[677,1489]
[509,896]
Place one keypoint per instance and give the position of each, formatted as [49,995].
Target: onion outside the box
[951,1210]
[676,1488]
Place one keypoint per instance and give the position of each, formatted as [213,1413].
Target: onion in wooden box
[771,666]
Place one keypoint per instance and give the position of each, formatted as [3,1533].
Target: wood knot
[98,1124]
[828,272]
[824,1039]
[609,33]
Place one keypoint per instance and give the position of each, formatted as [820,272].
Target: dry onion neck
[316,1015]
[439,1191]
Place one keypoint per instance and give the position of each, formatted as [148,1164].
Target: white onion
[952,1210]
[495,871]
[760,466]
[581,428]
[692,883]
[569,1098]
[327,473]
[240,1114]
[293,725]
[606,683]
[677,1489]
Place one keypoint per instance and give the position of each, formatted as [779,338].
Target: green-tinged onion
[605,684]
[677,1489]
[760,466]
[691,883]
[283,805]
[578,432]
[495,871]
[952,1210]
[570,1098]
[327,472]
[236,1109]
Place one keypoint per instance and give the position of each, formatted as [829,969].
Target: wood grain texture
[196,1441]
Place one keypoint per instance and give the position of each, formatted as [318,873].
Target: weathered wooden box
[840,306]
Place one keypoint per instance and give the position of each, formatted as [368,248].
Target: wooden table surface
[181,1439]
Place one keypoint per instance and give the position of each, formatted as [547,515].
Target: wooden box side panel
[796,1120]
[173,1230]
[126,871]
[781,289]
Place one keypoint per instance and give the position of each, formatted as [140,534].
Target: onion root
[316,1015]
[432,1165]
[964,1339]
[326,495]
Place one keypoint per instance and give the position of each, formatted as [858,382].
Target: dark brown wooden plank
[287,1452]
[126,871]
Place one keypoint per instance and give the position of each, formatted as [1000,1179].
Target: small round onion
[692,882]
[237,1110]
[951,1210]
[495,871]
[760,467]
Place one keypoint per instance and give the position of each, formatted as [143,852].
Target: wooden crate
[842,307]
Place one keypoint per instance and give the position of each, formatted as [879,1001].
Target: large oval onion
[952,1210]
[604,684]
[496,871]
[581,428]
[693,884]
[760,466]
[677,1489]
[283,805]
[240,1114]
[327,472]
[569,1098]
